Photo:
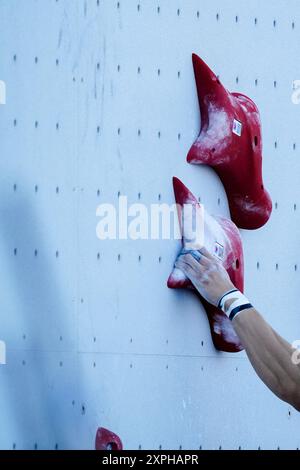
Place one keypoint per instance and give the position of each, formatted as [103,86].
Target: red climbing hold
[107,440]
[221,238]
[230,141]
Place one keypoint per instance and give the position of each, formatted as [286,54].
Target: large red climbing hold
[220,237]
[230,141]
[107,440]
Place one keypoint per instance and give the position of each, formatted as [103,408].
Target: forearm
[270,355]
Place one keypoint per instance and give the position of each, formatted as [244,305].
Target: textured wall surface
[101,101]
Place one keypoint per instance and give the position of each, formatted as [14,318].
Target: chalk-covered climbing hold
[220,237]
[107,440]
[230,141]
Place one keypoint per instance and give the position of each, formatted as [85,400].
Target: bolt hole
[111,446]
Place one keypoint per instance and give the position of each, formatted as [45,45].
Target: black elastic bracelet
[236,310]
[230,292]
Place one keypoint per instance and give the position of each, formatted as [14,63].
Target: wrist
[233,302]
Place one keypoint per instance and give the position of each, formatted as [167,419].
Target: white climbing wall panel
[101,102]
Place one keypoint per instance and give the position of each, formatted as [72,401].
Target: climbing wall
[101,102]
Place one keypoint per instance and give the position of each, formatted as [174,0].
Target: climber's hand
[208,275]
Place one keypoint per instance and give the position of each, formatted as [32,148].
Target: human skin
[269,354]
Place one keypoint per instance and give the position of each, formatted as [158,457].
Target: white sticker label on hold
[237,127]
[2,92]
[219,251]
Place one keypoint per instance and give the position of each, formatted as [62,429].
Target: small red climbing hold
[107,440]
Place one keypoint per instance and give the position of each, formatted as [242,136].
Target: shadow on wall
[42,378]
